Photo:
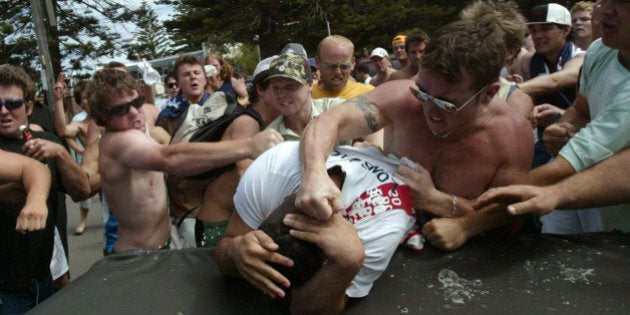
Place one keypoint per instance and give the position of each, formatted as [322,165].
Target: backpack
[208,122]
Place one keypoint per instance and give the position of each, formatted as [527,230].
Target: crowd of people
[476,131]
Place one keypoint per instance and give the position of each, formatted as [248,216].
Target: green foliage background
[83,33]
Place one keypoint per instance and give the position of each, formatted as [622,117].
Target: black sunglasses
[12,103]
[171,85]
[123,109]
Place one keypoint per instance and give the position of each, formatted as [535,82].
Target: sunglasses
[343,67]
[12,103]
[443,105]
[123,109]
[171,85]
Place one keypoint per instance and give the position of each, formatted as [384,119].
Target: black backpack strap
[254,114]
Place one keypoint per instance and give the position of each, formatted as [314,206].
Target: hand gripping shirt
[376,203]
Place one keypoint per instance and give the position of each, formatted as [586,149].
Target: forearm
[187,159]
[149,95]
[60,118]
[574,118]
[74,179]
[89,165]
[566,78]
[223,256]
[606,183]
[549,173]
[36,180]
[325,293]
[317,141]
[478,222]
[544,84]
[446,205]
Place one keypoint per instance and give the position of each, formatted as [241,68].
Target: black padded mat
[491,274]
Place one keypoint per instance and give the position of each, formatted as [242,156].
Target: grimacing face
[11,119]
[334,56]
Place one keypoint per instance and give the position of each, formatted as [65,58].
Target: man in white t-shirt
[357,242]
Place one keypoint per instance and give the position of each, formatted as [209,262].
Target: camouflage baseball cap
[291,66]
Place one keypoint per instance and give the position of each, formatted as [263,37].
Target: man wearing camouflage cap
[217,204]
[290,86]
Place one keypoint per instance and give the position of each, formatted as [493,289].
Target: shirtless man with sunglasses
[132,163]
[463,138]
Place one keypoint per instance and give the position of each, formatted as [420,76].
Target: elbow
[61,132]
[80,194]
[81,191]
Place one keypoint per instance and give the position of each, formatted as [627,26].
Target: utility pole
[42,43]
[257,41]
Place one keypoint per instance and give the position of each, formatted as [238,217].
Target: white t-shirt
[376,203]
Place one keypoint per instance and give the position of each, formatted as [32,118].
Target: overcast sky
[164,12]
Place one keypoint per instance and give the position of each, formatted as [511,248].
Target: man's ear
[28,106]
[490,92]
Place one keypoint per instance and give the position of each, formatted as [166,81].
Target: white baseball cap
[210,71]
[379,52]
[263,65]
[549,13]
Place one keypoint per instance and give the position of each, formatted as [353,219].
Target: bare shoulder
[511,131]
[397,75]
[244,126]
[392,93]
[151,112]
[119,141]
[521,102]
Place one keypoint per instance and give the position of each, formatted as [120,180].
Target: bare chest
[464,167]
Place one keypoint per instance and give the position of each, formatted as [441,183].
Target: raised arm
[89,165]
[62,128]
[318,196]
[74,180]
[565,78]
[35,177]
[135,150]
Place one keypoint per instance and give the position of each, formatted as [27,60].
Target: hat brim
[299,80]
[534,23]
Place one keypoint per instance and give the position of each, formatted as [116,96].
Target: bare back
[218,203]
[404,73]
[136,196]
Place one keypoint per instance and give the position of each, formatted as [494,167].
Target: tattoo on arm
[369,109]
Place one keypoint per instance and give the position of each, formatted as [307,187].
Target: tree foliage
[368,23]
[91,29]
[150,38]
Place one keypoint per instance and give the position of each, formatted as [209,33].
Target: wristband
[454,206]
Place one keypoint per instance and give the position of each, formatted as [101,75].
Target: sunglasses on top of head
[12,103]
[123,109]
